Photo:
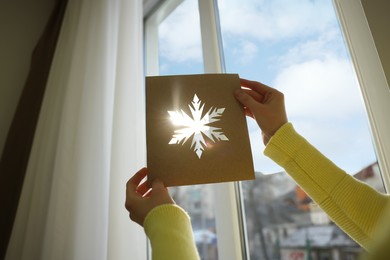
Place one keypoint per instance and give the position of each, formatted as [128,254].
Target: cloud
[250,21]
[246,51]
[179,34]
[322,46]
[275,20]
[324,102]
[320,89]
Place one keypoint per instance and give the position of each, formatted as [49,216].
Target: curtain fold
[90,138]
[17,148]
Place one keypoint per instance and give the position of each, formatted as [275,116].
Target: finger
[256,96]
[249,113]
[158,186]
[148,193]
[143,188]
[158,189]
[136,179]
[256,86]
[160,193]
[246,100]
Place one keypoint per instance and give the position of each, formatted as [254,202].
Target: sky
[295,46]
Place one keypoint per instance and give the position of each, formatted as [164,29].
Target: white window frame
[373,83]
[228,200]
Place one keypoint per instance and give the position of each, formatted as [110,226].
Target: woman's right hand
[264,104]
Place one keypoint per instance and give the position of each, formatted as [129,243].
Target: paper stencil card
[196,130]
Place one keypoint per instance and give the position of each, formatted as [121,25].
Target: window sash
[372,79]
[228,205]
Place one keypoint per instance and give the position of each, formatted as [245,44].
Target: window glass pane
[297,47]
[180,52]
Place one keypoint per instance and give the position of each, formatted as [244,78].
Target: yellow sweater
[354,206]
[169,230]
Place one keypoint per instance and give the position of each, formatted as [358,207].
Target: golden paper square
[178,163]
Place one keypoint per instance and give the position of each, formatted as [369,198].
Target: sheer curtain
[89,140]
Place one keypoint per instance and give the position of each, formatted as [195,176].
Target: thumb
[160,192]
[158,186]
[246,100]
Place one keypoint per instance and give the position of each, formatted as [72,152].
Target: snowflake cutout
[197,126]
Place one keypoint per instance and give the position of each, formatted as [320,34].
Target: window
[180,52]
[298,48]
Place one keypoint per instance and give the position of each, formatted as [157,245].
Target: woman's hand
[140,199]
[264,104]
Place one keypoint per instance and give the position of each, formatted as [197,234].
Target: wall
[21,24]
[377,12]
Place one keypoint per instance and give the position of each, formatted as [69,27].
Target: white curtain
[89,140]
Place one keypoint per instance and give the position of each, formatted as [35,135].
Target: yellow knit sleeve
[354,206]
[169,230]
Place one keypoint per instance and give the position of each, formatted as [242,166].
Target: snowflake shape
[197,126]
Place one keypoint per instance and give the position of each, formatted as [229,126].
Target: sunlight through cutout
[197,126]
